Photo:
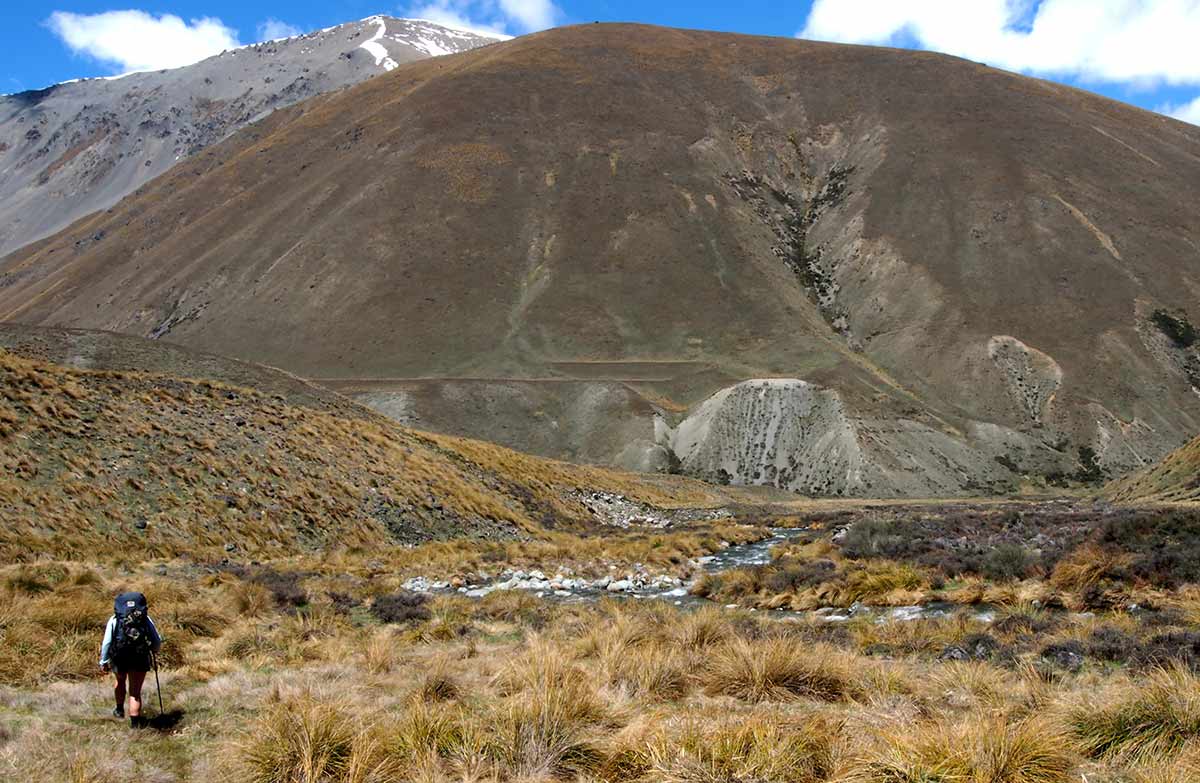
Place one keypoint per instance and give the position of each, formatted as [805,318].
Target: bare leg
[119,690]
[135,693]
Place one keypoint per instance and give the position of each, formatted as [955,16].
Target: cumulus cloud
[1188,112]
[138,41]
[490,17]
[1139,42]
[272,29]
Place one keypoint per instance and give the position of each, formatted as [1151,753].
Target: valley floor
[1071,657]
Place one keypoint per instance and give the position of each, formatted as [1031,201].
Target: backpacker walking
[130,639]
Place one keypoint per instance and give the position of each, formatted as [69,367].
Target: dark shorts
[131,662]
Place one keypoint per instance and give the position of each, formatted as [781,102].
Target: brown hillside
[1173,479]
[85,349]
[970,258]
[104,463]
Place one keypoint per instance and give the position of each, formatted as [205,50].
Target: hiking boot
[118,712]
[137,722]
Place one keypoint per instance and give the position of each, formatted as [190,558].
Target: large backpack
[131,633]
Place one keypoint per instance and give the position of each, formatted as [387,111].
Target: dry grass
[1086,567]
[90,461]
[982,749]
[513,688]
[1156,718]
[779,669]
[299,741]
[758,747]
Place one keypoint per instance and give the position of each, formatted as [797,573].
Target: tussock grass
[299,741]
[778,670]
[651,672]
[439,684]
[381,652]
[1086,567]
[1154,719]
[248,598]
[514,688]
[986,749]
[701,629]
[876,582]
[541,727]
[756,748]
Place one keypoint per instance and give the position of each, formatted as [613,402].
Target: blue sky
[1145,52]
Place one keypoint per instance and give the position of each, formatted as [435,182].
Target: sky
[1144,52]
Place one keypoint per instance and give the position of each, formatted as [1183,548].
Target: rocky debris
[1067,656]
[976,647]
[795,435]
[776,432]
[616,510]
[562,584]
[790,216]
[1032,377]
[619,511]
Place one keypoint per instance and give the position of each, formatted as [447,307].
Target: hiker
[130,639]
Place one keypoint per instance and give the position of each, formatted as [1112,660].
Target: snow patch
[376,49]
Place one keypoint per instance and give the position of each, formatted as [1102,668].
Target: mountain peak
[79,146]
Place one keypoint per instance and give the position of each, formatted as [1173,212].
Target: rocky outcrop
[793,435]
[780,432]
[1030,376]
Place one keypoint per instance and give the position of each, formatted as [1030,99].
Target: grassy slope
[294,243]
[98,350]
[96,463]
[1173,479]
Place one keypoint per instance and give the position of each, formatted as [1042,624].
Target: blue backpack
[131,633]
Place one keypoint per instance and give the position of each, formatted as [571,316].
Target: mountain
[1173,479]
[833,269]
[77,147]
[180,461]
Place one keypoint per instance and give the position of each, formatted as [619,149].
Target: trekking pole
[157,687]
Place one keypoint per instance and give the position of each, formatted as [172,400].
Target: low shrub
[1176,327]
[791,576]
[875,537]
[401,607]
[1172,648]
[1007,562]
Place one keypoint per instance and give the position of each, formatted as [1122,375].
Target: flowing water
[573,590]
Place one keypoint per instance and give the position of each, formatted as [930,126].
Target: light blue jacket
[155,639]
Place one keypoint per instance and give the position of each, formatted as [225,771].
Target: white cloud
[530,14]
[1188,112]
[1141,42]
[272,29]
[490,17]
[138,41]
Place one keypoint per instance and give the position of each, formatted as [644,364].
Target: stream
[570,589]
